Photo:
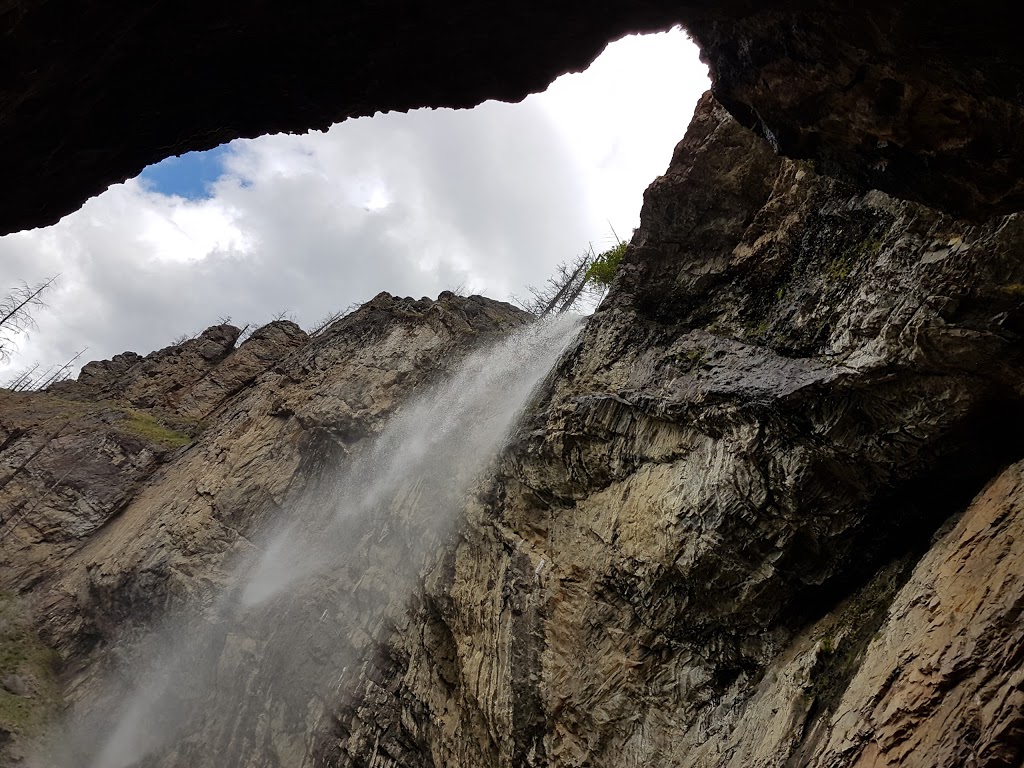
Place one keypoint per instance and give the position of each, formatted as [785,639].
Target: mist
[336,566]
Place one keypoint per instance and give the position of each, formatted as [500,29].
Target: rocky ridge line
[147,517]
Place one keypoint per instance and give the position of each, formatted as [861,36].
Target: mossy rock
[24,658]
[845,639]
[147,427]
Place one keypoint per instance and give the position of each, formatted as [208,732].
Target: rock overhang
[917,99]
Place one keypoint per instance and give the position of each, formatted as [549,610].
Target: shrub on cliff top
[602,269]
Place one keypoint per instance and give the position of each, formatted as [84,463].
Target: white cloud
[410,203]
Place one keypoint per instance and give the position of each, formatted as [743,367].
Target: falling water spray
[261,666]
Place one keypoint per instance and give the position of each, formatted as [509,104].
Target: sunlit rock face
[704,529]
[919,99]
[186,382]
[114,520]
[74,456]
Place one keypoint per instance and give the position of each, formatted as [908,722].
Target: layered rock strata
[95,572]
[736,527]
[707,529]
[914,98]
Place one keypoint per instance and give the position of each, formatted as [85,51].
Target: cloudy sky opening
[489,199]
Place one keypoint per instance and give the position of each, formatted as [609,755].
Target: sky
[488,200]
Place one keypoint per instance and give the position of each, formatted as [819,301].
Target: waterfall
[268,658]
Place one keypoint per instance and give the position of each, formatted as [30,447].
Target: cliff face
[74,457]
[911,97]
[706,548]
[735,528]
[765,512]
[113,520]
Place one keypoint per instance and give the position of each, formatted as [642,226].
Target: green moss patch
[1015,290]
[146,426]
[859,253]
[24,655]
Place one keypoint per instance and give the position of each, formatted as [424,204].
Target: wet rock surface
[790,388]
[941,682]
[763,513]
[914,98]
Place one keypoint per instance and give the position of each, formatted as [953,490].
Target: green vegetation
[838,268]
[1013,289]
[862,252]
[602,269]
[146,426]
[589,274]
[22,654]
[756,328]
[695,356]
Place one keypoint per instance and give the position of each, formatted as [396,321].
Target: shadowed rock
[919,99]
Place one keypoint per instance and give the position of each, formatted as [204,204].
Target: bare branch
[563,289]
[326,321]
[63,372]
[16,313]
[20,380]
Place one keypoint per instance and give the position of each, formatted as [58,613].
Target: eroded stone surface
[914,98]
[175,540]
[791,385]
[943,682]
[186,382]
[710,542]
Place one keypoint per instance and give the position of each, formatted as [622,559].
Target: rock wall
[72,458]
[128,522]
[708,528]
[735,529]
[912,98]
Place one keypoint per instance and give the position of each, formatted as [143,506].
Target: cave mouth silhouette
[917,99]
[93,94]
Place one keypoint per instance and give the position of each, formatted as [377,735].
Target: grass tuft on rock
[146,426]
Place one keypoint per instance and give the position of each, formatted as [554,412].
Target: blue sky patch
[188,176]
